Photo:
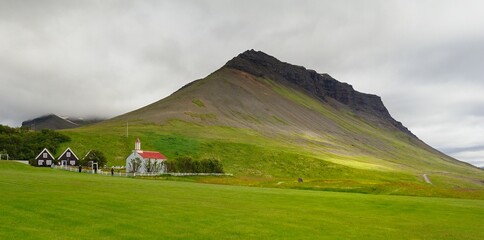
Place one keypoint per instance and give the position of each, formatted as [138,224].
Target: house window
[73,163]
[44,155]
[40,162]
[68,154]
[48,162]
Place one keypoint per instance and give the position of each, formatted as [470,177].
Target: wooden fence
[128,174]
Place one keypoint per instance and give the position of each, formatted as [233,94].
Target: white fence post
[151,174]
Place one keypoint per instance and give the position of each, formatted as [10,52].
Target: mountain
[243,85]
[50,121]
[269,121]
[54,122]
[256,91]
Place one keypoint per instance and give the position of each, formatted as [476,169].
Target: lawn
[38,203]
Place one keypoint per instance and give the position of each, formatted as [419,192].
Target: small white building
[141,161]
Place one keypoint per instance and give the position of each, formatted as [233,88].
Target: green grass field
[40,203]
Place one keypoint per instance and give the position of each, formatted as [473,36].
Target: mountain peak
[256,57]
[258,63]
[321,86]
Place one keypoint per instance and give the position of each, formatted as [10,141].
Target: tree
[197,167]
[4,154]
[95,156]
[212,165]
[153,166]
[217,166]
[188,165]
[171,165]
[135,164]
[184,164]
[23,144]
[157,166]
[148,165]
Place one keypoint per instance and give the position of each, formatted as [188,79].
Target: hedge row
[189,165]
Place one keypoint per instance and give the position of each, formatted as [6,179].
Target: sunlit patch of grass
[198,102]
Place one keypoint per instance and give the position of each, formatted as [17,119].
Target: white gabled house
[141,161]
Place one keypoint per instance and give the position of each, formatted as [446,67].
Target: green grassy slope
[39,203]
[266,133]
[258,161]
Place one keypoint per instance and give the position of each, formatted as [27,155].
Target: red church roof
[152,155]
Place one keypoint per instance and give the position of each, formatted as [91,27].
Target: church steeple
[137,145]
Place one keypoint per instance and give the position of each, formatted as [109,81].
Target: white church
[140,161]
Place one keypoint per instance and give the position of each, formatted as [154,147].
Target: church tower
[137,145]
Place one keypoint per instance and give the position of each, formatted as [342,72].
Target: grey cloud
[463,149]
[455,61]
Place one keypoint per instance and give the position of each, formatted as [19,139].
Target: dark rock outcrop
[321,86]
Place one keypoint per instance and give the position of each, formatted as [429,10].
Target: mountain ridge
[319,85]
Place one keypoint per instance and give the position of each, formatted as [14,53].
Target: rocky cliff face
[321,86]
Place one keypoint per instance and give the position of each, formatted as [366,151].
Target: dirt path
[427,180]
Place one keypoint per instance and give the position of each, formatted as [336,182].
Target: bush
[188,165]
[213,165]
[95,156]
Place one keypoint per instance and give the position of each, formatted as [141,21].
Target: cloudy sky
[105,58]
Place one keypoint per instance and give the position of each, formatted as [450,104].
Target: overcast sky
[104,58]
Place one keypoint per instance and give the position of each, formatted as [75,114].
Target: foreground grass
[51,204]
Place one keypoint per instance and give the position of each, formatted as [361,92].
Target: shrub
[95,156]
[188,165]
